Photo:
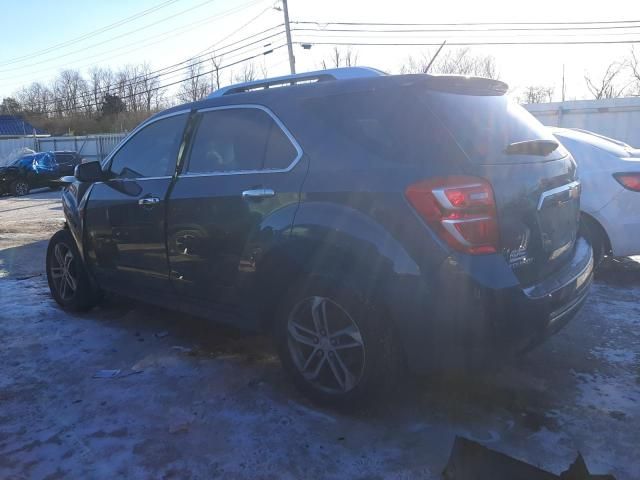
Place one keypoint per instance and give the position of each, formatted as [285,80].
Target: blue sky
[186,27]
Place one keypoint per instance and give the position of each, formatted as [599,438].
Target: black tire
[62,250]
[597,238]
[378,354]
[20,187]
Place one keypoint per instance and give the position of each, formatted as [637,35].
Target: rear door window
[239,139]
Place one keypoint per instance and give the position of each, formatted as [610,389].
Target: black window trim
[277,121]
[106,163]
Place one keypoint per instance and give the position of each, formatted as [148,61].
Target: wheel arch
[594,224]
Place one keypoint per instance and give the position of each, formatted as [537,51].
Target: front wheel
[20,188]
[66,274]
[336,345]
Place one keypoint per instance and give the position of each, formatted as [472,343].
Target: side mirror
[89,172]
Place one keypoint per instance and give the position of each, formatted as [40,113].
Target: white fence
[91,147]
[617,118]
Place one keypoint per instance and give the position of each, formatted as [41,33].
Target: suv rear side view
[367,223]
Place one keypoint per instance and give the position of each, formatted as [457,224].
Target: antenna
[434,57]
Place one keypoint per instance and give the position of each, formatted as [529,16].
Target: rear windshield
[406,124]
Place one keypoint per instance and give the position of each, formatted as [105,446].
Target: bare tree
[536,94]
[100,83]
[460,61]
[195,86]
[634,66]
[607,86]
[216,75]
[340,58]
[247,74]
[70,92]
[36,98]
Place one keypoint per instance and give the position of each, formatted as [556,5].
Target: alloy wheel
[22,189]
[63,271]
[326,345]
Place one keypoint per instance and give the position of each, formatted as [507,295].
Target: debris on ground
[106,373]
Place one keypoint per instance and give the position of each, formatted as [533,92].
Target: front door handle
[258,193]
[146,201]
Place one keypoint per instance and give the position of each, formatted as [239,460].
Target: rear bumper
[471,323]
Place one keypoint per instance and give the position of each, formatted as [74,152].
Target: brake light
[461,209]
[630,181]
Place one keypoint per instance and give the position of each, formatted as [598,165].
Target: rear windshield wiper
[532,147]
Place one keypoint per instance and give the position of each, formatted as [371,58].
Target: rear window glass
[485,125]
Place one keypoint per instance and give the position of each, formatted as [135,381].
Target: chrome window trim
[138,179]
[134,132]
[280,125]
[555,191]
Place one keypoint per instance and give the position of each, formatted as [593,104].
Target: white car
[610,174]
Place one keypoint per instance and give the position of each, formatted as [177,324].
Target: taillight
[461,209]
[630,181]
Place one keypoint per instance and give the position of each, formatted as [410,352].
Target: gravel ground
[194,400]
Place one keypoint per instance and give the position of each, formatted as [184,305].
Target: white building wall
[617,118]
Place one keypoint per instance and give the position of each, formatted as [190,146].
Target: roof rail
[308,77]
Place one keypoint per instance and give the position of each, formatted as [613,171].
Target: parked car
[37,170]
[610,174]
[367,222]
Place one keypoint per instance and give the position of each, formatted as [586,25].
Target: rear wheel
[20,188]
[68,280]
[336,344]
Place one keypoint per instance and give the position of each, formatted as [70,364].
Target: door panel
[237,196]
[216,236]
[126,234]
[125,216]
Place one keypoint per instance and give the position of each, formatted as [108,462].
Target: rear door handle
[148,201]
[258,193]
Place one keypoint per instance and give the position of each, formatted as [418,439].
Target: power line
[610,22]
[151,76]
[470,44]
[160,87]
[244,25]
[485,29]
[130,32]
[439,33]
[89,34]
[166,35]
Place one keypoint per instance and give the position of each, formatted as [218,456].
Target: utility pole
[287,29]
[563,87]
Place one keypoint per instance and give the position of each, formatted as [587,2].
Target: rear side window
[152,151]
[239,139]
[385,124]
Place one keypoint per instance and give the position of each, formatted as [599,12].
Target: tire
[66,274]
[20,187]
[597,238]
[317,356]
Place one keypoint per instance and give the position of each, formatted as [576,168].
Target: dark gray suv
[367,222]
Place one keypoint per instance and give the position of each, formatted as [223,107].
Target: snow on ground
[197,400]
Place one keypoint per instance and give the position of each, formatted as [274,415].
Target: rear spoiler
[462,84]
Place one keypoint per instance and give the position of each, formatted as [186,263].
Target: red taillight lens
[630,181]
[460,209]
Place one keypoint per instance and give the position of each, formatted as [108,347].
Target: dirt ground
[194,400]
